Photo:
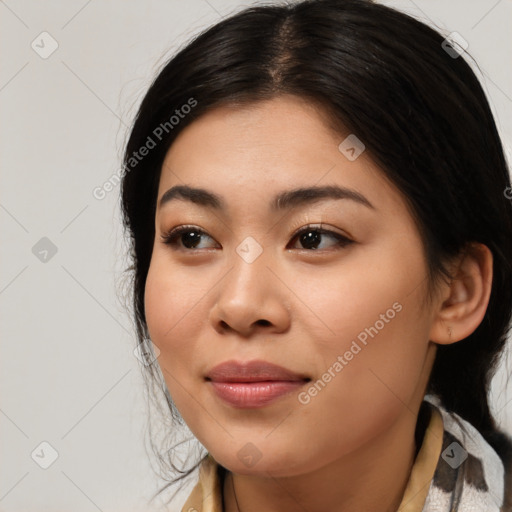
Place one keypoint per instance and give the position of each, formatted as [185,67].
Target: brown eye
[311,237]
[189,236]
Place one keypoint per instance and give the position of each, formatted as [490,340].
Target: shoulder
[503,444]
[469,471]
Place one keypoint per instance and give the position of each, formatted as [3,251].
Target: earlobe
[464,302]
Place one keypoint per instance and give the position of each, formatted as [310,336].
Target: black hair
[420,111]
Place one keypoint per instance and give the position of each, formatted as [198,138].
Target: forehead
[283,129]
[251,152]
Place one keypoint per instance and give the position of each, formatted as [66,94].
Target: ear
[463,301]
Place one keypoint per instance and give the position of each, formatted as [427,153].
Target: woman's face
[341,310]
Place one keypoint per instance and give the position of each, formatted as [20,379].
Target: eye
[190,237]
[310,236]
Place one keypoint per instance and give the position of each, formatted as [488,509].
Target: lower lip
[254,394]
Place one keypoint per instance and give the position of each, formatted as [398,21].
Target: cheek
[373,361]
[371,345]
[173,298]
[175,315]
[366,380]
[368,296]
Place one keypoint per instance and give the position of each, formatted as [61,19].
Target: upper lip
[252,371]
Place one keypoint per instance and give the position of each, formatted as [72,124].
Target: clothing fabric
[455,470]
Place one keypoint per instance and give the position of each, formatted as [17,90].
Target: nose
[251,298]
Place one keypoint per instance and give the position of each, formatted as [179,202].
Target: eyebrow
[282,201]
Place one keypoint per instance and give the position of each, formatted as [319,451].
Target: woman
[322,246]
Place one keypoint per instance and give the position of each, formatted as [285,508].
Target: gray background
[68,375]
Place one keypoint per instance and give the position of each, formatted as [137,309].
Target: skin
[352,446]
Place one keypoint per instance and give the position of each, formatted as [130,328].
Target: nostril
[263,322]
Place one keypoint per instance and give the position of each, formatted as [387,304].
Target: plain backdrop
[68,374]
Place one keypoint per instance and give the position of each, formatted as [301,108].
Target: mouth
[253,384]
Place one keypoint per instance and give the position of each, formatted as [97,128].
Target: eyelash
[169,238]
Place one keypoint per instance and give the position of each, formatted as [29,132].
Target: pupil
[189,237]
[309,238]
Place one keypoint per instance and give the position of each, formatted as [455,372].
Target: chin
[250,460]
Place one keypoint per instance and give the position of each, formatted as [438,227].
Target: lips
[252,371]
[253,384]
